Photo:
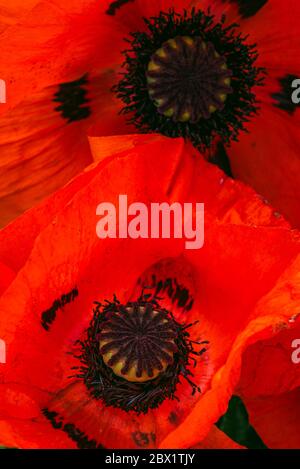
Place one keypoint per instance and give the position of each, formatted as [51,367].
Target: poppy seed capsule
[191,76]
[138,344]
[188,79]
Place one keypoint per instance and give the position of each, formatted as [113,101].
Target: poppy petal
[272,310]
[45,55]
[274,355]
[273,402]
[216,439]
[10,13]
[270,414]
[252,159]
[17,433]
[278,45]
[19,402]
[111,429]
[38,157]
[49,302]
[6,277]
[35,220]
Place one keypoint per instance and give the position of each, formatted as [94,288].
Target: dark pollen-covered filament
[188,80]
[138,342]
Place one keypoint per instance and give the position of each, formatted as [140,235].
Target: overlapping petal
[234,302]
[54,44]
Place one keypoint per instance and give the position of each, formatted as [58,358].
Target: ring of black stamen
[229,119]
[117,391]
[187,79]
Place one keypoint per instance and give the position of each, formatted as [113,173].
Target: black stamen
[214,98]
[134,355]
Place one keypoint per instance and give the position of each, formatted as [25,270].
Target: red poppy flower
[60,63]
[225,298]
